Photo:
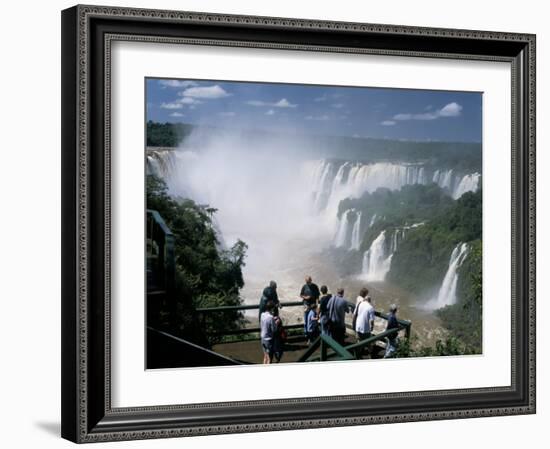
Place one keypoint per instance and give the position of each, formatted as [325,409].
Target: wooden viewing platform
[172,351]
[296,349]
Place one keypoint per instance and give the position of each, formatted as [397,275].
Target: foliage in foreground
[207,275]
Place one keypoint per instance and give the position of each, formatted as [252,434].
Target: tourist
[269,294]
[312,324]
[310,294]
[279,339]
[392,340]
[338,306]
[268,329]
[363,293]
[323,310]
[364,321]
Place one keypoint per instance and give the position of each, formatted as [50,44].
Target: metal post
[323,350]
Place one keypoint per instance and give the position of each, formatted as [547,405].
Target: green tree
[207,275]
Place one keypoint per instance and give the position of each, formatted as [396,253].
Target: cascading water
[372,220]
[377,259]
[447,292]
[444,179]
[331,182]
[356,233]
[468,183]
[376,263]
[322,186]
[341,237]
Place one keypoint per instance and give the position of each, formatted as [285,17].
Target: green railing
[161,267]
[324,343]
[339,352]
[205,312]
[329,348]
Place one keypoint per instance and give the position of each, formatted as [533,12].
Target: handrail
[164,267]
[160,221]
[189,344]
[245,307]
[373,339]
[252,330]
[404,324]
[353,348]
[326,342]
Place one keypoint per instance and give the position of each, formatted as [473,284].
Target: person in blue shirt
[312,324]
[310,294]
[338,306]
[392,341]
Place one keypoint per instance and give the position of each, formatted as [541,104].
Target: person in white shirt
[268,329]
[362,295]
[364,321]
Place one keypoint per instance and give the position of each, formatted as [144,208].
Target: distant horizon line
[395,139]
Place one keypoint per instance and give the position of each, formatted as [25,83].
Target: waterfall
[356,232]
[468,183]
[341,237]
[338,179]
[376,263]
[322,186]
[447,292]
[444,179]
[153,167]
[333,181]
[377,259]
[372,220]
[171,165]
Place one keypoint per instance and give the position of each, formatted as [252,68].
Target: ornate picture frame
[87,35]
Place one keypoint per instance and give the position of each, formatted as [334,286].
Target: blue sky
[321,110]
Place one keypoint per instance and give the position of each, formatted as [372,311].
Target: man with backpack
[338,306]
[310,294]
[323,310]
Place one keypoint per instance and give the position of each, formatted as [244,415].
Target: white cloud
[270,112]
[176,114]
[171,106]
[402,117]
[180,102]
[321,98]
[282,103]
[449,110]
[227,114]
[207,92]
[188,100]
[338,105]
[177,83]
[322,118]
[388,122]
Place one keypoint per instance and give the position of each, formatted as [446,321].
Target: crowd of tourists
[324,314]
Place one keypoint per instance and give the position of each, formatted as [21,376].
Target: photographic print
[292,223]
[244,193]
